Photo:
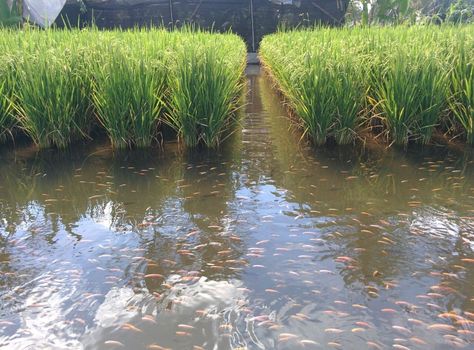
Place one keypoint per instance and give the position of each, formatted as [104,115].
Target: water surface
[265,244]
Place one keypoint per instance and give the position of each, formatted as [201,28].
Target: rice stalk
[402,82]
[205,86]
[461,98]
[128,97]
[52,100]
[57,85]
[410,98]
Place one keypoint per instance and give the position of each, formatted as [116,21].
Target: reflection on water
[266,244]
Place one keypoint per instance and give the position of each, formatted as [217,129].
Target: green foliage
[7,88]
[410,96]
[205,86]
[9,17]
[6,105]
[395,11]
[129,95]
[410,11]
[461,11]
[461,95]
[55,84]
[324,85]
[53,100]
[405,80]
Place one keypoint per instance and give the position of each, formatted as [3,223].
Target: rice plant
[7,88]
[205,86]
[403,80]
[410,98]
[58,84]
[129,98]
[53,101]
[324,86]
[6,106]
[461,98]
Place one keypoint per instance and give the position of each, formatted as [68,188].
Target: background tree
[366,12]
[10,16]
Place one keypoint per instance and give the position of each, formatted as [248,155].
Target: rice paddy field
[403,84]
[58,87]
[248,238]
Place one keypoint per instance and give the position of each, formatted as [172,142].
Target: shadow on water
[265,243]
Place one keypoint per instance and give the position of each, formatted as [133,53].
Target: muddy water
[266,244]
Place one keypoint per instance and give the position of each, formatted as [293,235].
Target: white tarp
[42,12]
